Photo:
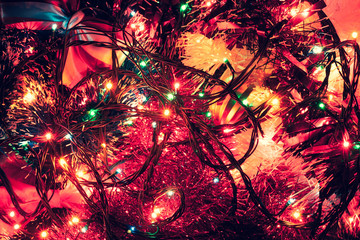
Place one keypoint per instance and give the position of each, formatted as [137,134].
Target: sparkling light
[12,214]
[346,144]
[103,145]
[317,49]
[68,136]
[16,226]
[80,174]
[44,234]
[201,94]
[170,193]
[75,220]
[142,64]
[167,112]
[84,229]
[216,180]
[354,35]
[170,96]
[62,162]
[29,97]
[48,136]
[296,214]
[177,85]
[109,85]
[54,27]
[183,7]
[275,101]
[322,106]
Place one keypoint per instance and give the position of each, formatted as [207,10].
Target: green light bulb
[322,106]
[142,64]
[183,7]
[170,96]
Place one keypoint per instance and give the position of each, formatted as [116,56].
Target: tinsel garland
[177,120]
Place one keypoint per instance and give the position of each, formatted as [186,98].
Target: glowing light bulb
[184,7]
[54,26]
[170,96]
[170,193]
[167,112]
[62,162]
[153,124]
[29,97]
[245,102]
[201,94]
[317,49]
[275,101]
[216,180]
[305,13]
[16,226]
[322,106]
[291,201]
[351,219]
[208,114]
[294,12]
[75,220]
[154,215]
[129,123]
[109,85]
[357,146]
[103,145]
[48,136]
[225,60]
[133,25]
[80,174]
[296,215]
[177,85]
[68,136]
[354,35]
[346,144]
[84,229]
[132,13]
[44,234]
[92,112]
[142,64]
[208,3]
[12,214]
[118,171]
[227,130]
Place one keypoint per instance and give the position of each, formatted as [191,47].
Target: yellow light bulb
[44,234]
[62,162]
[48,136]
[12,214]
[167,112]
[103,145]
[296,214]
[354,34]
[16,226]
[29,97]
[275,101]
[75,220]
[109,85]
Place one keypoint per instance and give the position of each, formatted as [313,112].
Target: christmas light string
[123,128]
